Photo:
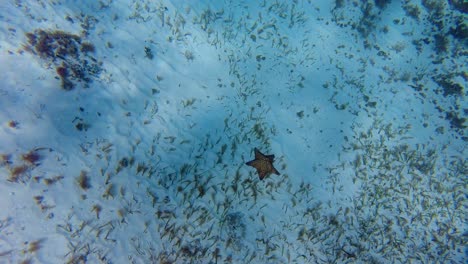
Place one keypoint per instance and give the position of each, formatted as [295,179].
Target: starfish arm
[275,171]
[257,153]
[260,155]
[262,174]
[270,158]
[255,163]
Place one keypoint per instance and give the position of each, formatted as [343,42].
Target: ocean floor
[125,128]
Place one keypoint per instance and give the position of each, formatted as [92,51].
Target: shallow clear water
[233,131]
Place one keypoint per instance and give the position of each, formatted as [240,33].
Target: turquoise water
[233,131]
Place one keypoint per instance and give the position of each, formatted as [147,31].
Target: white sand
[164,141]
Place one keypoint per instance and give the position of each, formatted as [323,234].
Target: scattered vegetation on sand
[19,167]
[32,157]
[84,181]
[19,174]
[51,181]
[13,124]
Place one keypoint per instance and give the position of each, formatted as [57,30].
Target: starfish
[263,164]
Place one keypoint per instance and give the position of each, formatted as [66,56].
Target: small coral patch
[68,52]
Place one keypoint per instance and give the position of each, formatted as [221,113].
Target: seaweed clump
[54,44]
[68,52]
[84,181]
[382,3]
[449,87]
[32,157]
[456,122]
[20,169]
[412,10]
[460,31]
[460,5]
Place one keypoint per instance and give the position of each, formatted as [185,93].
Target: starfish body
[263,164]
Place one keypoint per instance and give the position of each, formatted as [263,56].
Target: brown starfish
[263,164]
